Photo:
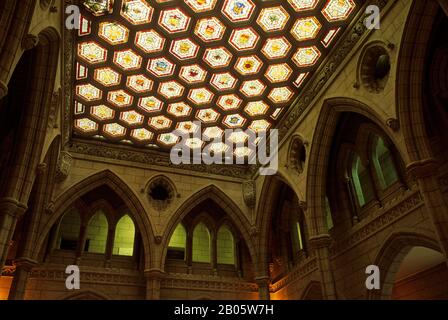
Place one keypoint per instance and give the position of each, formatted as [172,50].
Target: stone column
[10,211]
[263,287]
[18,286]
[214,252]
[109,246]
[153,281]
[81,244]
[320,245]
[425,173]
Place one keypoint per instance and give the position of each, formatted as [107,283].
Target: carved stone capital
[3,89]
[320,241]
[303,205]
[64,165]
[29,41]
[25,264]
[154,274]
[42,168]
[263,281]
[250,193]
[158,239]
[422,169]
[12,207]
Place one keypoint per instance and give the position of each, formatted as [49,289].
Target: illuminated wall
[124,237]
[225,246]
[97,233]
[201,244]
[69,228]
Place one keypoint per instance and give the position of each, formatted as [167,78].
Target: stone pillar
[214,253]
[153,281]
[263,287]
[81,244]
[189,252]
[320,245]
[18,286]
[425,173]
[10,211]
[109,246]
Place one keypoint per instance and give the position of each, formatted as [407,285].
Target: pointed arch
[110,179]
[211,192]
[320,151]
[391,254]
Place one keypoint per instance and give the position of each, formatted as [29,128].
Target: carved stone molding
[8,271]
[64,165]
[249,193]
[30,41]
[25,263]
[12,207]
[320,241]
[197,282]
[393,123]
[299,272]
[154,274]
[423,169]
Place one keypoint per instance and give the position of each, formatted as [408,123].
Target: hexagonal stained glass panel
[256,108]
[276,48]
[149,41]
[187,127]
[201,5]
[336,10]
[281,95]
[168,138]
[102,112]
[259,125]
[171,89]
[248,65]
[217,57]
[194,143]
[137,11]
[273,19]
[160,122]
[234,121]
[207,115]
[131,117]
[92,52]
[306,56]
[127,60]
[238,10]
[278,72]
[119,98]
[113,32]
[192,74]
[306,28]
[150,104]
[179,109]
[223,81]
[229,102]
[244,39]
[139,83]
[114,130]
[107,77]
[86,125]
[253,88]
[174,20]
[210,29]
[88,92]
[99,7]
[184,49]
[302,5]
[242,152]
[213,133]
[200,96]
[218,147]
[141,134]
[161,67]
[238,137]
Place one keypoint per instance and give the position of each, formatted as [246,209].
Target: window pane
[97,234]
[201,244]
[362,182]
[124,237]
[225,246]
[69,230]
[178,243]
[384,164]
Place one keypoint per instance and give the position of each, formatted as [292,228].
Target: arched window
[384,164]
[362,182]
[225,246]
[178,243]
[297,236]
[124,237]
[97,233]
[329,217]
[69,230]
[201,244]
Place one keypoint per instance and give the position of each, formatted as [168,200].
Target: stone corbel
[422,169]
[64,165]
[249,193]
[320,241]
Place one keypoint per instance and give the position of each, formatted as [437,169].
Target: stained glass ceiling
[147,68]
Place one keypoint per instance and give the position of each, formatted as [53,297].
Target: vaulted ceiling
[146,68]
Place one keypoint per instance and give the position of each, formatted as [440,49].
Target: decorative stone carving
[374,68]
[297,154]
[56,102]
[161,192]
[393,123]
[250,193]
[30,41]
[64,165]
[320,241]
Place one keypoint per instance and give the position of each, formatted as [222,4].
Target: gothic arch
[410,77]
[236,216]
[320,151]
[110,179]
[392,253]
